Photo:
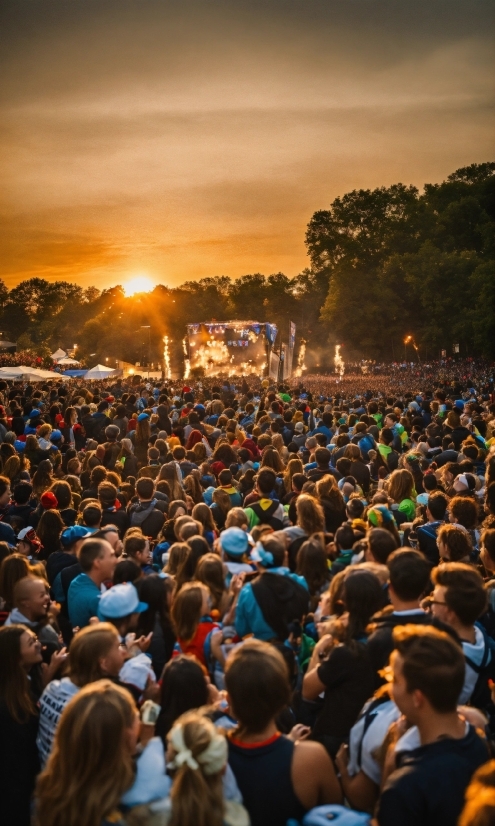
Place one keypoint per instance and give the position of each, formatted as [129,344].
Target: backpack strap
[369,715]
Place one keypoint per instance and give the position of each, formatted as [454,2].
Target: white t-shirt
[364,745]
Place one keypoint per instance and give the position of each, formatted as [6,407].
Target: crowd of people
[239,603]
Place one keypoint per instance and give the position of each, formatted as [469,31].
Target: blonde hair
[197,793]
[293,466]
[90,766]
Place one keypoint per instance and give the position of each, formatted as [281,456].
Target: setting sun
[138,284]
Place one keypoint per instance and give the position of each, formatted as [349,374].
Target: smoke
[166,357]
[187,363]
[339,361]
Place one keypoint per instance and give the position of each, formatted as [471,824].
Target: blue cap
[34,413]
[120,601]
[55,435]
[234,541]
[19,446]
[142,416]
[459,403]
[72,534]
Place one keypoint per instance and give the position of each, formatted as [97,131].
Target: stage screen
[240,347]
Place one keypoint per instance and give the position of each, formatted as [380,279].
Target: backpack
[265,515]
[480,698]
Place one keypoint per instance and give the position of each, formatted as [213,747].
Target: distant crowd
[230,602]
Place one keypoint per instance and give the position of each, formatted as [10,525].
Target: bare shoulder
[309,752]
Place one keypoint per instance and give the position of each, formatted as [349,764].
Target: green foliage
[399,263]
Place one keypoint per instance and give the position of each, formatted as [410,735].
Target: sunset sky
[186,139]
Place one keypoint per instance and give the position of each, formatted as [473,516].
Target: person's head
[12,569]
[362,595]
[344,538]
[184,687]
[436,507]
[97,558]
[428,672]
[197,791]
[322,457]
[177,554]
[459,596]
[145,489]
[5,491]
[191,603]
[22,493]
[107,494]
[126,570]
[312,563]
[257,682]
[71,538]
[409,573]
[137,547]
[101,720]
[401,485]
[19,652]
[265,481]
[454,543]
[479,809]
[310,515]
[95,652]
[31,598]
[234,543]
[487,549]
[202,513]
[121,606]
[463,511]
[91,516]
[269,551]
[209,571]
[236,518]
[63,494]
[381,543]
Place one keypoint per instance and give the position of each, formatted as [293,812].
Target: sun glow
[138,284]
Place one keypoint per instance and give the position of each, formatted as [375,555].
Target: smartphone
[150,712]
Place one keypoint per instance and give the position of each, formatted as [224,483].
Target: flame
[187,363]
[339,361]
[300,360]
[166,357]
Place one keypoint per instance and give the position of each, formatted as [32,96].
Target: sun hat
[120,601]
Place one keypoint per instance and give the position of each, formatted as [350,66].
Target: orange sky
[189,139]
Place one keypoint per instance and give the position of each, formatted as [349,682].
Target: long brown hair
[310,516]
[14,683]
[400,485]
[223,500]
[209,571]
[327,488]
[197,797]
[294,466]
[13,568]
[203,514]
[186,609]
[43,477]
[168,472]
[90,766]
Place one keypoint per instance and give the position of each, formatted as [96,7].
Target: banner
[285,366]
[273,366]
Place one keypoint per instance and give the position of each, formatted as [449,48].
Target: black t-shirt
[428,787]
[348,679]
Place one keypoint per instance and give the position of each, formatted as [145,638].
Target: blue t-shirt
[82,598]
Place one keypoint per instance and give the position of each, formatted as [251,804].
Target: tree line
[384,264]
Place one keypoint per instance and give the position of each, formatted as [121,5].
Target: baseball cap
[120,601]
[142,416]
[299,427]
[234,541]
[26,533]
[49,500]
[72,534]
[55,435]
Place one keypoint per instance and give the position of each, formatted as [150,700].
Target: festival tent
[100,372]
[67,360]
[58,354]
[23,372]
[49,374]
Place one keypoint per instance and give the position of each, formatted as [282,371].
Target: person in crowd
[436,758]
[146,513]
[278,779]
[97,560]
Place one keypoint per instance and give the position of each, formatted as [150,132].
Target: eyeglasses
[437,602]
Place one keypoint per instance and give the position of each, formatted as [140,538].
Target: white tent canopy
[67,360]
[58,354]
[28,373]
[100,372]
